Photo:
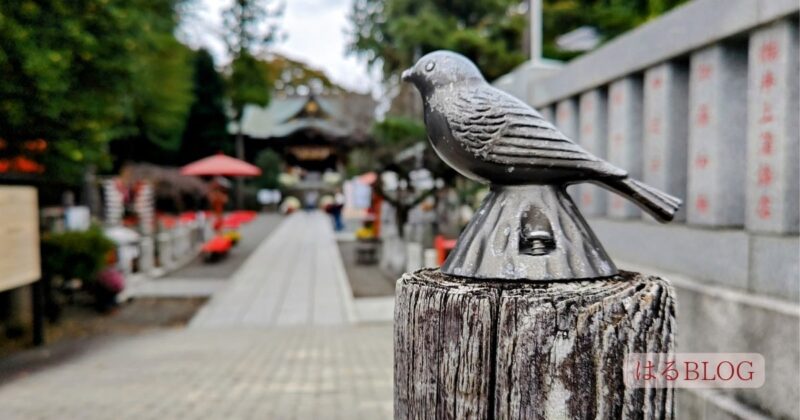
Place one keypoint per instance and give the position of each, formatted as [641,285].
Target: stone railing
[702,103]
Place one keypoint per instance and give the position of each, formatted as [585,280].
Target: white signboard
[19,237]
[267,196]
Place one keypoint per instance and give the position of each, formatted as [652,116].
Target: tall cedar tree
[250,29]
[206,130]
[162,90]
[250,26]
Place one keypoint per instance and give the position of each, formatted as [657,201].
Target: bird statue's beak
[406,75]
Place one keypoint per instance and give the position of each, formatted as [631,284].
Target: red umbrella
[222,165]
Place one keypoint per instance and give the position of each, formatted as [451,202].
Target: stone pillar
[113,199]
[147,254]
[547,113]
[593,125]
[414,259]
[567,118]
[666,102]
[773,203]
[717,115]
[567,123]
[165,254]
[625,138]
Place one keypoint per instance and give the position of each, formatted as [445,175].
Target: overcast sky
[315,30]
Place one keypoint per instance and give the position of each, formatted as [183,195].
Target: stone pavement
[198,278]
[295,277]
[274,373]
[178,288]
[253,234]
[280,341]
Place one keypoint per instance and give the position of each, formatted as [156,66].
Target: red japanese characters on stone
[764,208]
[703,115]
[764,175]
[769,51]
[701,203]
[704,71]
[767,140]
[701,161]
[767,80]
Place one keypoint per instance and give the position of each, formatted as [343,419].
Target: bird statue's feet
[528,232]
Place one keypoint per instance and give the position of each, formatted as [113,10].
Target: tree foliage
[247,84]
[64,70]
[207,126]
[250,27]
[610,17]
[270,163]
[394,134]
[80,74]
[163,94]
[289,77]
[394,33]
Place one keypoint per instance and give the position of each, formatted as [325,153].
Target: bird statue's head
[441,68]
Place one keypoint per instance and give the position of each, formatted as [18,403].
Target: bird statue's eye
[430,66]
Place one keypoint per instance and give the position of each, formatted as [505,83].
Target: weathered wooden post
[528,318]
[554,350]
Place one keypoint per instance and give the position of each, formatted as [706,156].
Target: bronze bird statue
[527,228]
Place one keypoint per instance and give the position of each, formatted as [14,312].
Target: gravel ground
[365,280]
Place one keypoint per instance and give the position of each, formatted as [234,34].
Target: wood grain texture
[528,350]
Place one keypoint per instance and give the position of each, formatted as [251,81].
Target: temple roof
[345,116]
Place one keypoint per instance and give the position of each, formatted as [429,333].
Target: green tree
[394,33]
[80,74]
[161,93]
[65,70]
[393,135]
[207,126]
[270,163]
[247,84]
[291,76]
[610,17]
[250,27]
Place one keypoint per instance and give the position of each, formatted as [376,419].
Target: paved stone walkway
[295,277]
[199,278]
[274,373]
[179,288]
[253,234]
[278,342]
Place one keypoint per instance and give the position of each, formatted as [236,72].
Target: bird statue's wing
[502,129]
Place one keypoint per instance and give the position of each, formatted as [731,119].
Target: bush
[75,254]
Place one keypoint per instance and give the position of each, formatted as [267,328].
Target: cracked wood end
[484,349]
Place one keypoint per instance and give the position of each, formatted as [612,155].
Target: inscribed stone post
[717,116]
[666,101]
[625,138]
[773,202]
[593,125]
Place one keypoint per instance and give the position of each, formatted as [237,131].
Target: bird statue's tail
[657,203]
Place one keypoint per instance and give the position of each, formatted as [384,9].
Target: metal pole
[240,155]
[535,11]
[37,295]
